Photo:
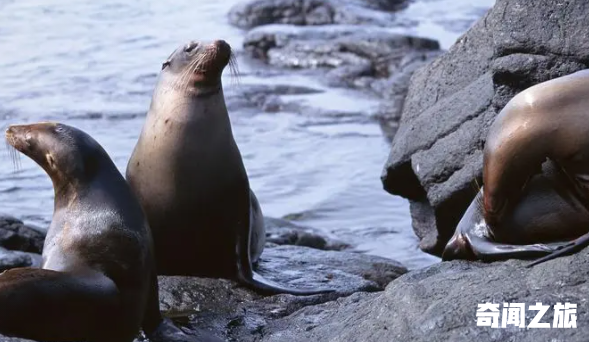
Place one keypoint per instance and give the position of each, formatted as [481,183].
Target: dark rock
[436,155]
[393,89]
[274,98]
[283,232]
[15,235]
[264,97]
[314,12]
[354,56]
[361,57]
[225,309]
[334,46]
[12,259]
[438,303]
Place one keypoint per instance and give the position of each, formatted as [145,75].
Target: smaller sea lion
[97,281]
[188,174]
[547,121]
[544,218]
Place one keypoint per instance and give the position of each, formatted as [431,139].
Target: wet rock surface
[438,303]
[315,12]
[225,309]
[12,259]
[15,235]
[20,244]
[229,311]
[267,98]
[283,232]
[437,152]
[351,55]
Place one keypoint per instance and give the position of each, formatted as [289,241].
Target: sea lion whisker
[14,156]
[185,75]
[182,79]
[234,70]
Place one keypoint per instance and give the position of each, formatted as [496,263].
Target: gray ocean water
[93,65]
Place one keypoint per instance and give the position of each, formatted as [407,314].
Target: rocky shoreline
[445,102]
[295,256]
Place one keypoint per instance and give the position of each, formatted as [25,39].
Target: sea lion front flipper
[492,251]
[47,305]
[567,249]
[469,247]
[473,240]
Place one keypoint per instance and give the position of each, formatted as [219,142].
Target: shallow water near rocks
[93,65]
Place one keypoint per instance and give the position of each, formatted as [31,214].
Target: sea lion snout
[216,55]
[22,136]
[222,46]
[18,136]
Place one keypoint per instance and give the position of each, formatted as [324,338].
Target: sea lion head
[67,154]
[197,66]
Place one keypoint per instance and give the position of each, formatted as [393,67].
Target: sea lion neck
[99,174]
[179,105]
[187,86]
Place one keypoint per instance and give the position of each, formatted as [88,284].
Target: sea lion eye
[165,64]
[190,46]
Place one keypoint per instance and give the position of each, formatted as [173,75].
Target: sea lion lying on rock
[531,207]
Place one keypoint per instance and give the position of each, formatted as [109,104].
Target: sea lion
[97,281]
[546,215]
[188,174]
[517,207]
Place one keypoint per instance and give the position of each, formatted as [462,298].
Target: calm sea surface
[93,64]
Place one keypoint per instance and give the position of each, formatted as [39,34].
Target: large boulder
[439,303]
[436,156]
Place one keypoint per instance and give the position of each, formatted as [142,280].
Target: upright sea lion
[517,207]
[97,281]
[187,172]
